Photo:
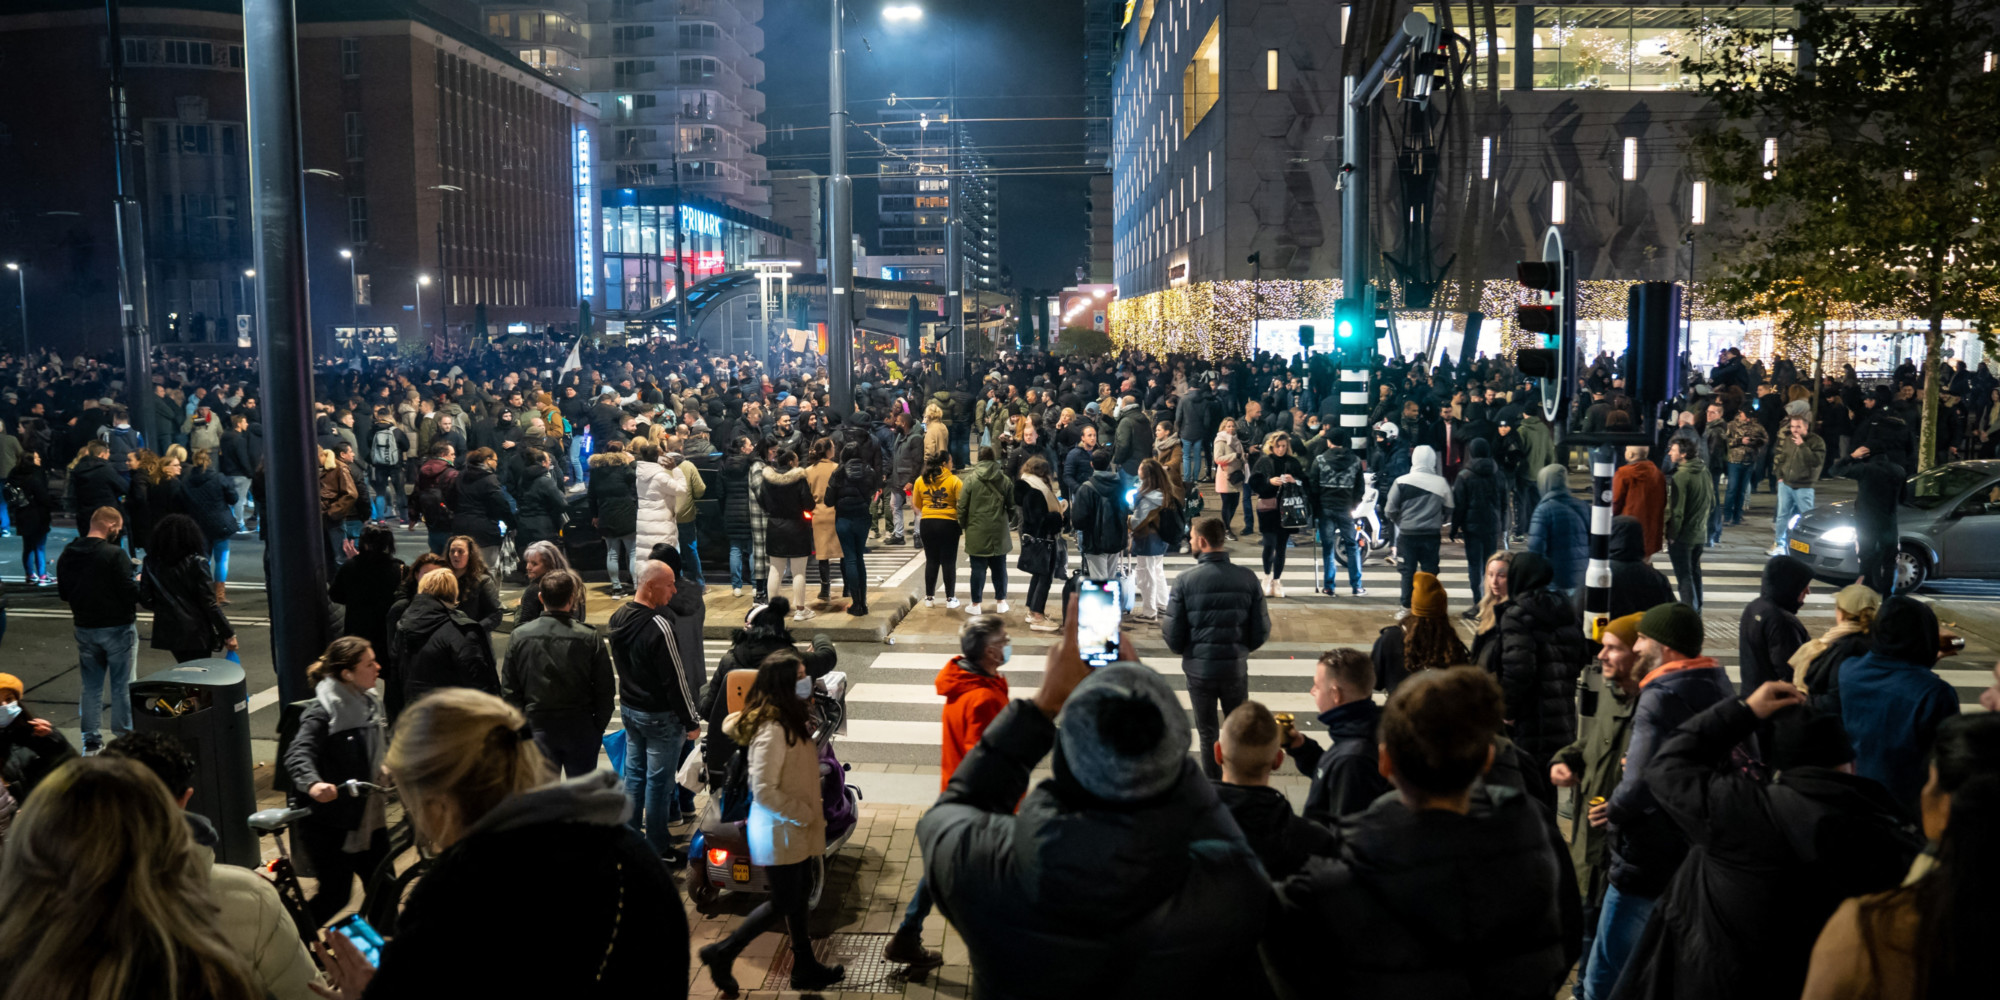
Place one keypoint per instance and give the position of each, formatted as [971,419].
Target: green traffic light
[1345,330]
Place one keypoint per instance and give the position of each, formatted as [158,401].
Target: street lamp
[353,292]
[422,280]
[21,279]
[902,12]
[954,261]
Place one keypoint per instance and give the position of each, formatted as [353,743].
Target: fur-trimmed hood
[608,459]
[792,475]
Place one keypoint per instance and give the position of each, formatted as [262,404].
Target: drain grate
[867,970]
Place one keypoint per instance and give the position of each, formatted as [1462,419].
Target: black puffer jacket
[614,494]
[1537,650]
[542,509]
[1770,631]
[750,646]
[1337,482]
[94,483]
[736,498]
[1479,496]
[437,646]
[210,498]
[182,599]
[1098,512]
[1432,904]
[480,504]
[1282,838]
[1635,585]
[1074,897]
[788,499]
[1216,617]
[851,488]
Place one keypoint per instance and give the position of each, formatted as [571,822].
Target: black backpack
[1172,525]
[734,792]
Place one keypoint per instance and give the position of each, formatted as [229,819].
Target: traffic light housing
[1549,311]
[1353,335]
[1306,338]
[1545,277]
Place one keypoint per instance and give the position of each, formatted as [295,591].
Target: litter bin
[205,704]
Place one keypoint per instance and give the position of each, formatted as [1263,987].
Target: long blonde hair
[457,754]
[1487,602]
[103,895]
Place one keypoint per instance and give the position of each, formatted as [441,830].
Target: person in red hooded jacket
[974,693]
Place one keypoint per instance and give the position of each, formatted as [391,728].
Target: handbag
[1292,511]
[1038,555]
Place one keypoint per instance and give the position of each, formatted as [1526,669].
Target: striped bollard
[1597,576]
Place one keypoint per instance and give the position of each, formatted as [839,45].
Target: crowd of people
[1527,804]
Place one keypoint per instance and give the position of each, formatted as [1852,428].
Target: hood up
[1628,539]
[1423,472]
[1785,581]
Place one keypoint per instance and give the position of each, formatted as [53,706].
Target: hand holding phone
[1097,618]
[365,938]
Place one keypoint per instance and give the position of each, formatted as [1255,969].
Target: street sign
[242,330]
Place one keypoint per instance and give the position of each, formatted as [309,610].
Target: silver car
[1948,526]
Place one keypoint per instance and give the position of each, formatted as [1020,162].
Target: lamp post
[21,280]
[422,280]
[954,261]
[353,292]
[840,235]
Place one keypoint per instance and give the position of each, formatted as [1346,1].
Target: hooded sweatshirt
[1770,631]
[1892,700]
[1479,495]
[971,700]
[1560,528]
[1635,585]
[1420,500]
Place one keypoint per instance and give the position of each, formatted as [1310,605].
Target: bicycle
[275,823]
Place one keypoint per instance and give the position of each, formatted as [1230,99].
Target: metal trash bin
[205,704]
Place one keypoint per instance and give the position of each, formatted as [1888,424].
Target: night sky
[1022,59]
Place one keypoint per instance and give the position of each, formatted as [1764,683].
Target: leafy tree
[1886,163]
[1085,341]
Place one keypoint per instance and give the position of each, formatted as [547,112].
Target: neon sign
[701,223]
[586,256]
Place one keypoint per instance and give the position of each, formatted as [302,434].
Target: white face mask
[9,712]
[804,688]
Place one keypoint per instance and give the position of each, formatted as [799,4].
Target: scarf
[1814,647]
[1163,445]
[1041,486]
[350,709]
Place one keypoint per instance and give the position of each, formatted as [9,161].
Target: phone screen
[364,936]
[1097,613]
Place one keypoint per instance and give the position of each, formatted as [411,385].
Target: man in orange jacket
[974,693]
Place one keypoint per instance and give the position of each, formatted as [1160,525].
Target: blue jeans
[336,538]
[1127,482]
[919,908]
[1619,925]
[739,565]
[1334,530]
[691,555]
[242,484]
[1190,461]
[438,540]
[618,559]
[853,535]
[1791,502]
[218,559]
[1739,486]
[652,752]
[35,555]
[1715,509]
[107,654]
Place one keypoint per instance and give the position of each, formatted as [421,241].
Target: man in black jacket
[1248,752]
[1337,488]
[558,673]
[654,701]
[98,582]
[1216,617]
[1345,776]
[1453,886]
[1770,631]
[237,462]
[1879,479]
[1195,424]
[1097,511]
[1769,862]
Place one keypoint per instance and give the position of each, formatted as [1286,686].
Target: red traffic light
[1540,275]
[1536,319]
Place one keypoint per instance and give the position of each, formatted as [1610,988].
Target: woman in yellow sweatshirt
[936,496]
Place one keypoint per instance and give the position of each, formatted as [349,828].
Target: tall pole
[353,294]
[840,238]
[134,305]
[21,279]
[419,285]
[680,246]
[297,563]
[954,262]
[1354,241]
[444,285]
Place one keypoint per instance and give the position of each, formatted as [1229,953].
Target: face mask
[804,688]
[1007,653]
[9,712]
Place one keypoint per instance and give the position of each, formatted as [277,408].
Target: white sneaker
[1266,584]
[930,602]
[802,614]
[1775,550]
[736,591]
[1002,608]
[951,603]
[1277,589]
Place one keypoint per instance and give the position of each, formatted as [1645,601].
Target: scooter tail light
[718,857]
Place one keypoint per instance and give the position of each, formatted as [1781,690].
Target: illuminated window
[1486,158]
[1559,203]
[1770,157]
[1201,81]
[1270,69]
[1631,158]
[1698,204]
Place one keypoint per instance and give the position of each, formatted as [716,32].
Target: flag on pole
[575,359]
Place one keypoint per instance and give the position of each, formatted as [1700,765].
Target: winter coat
[909,461]
[182,599]
[34,518]
[748,649]
[657,490]
[1345,779]
[1420,500]
[1038,519]
[93,483]
[1337,483]
[1891,709]
[318,753]
[211,499]
[1132,443]
[481,503]
[1768,865]
[1799,465]
[1879,486]
[366,587]
[733,493]
[438,646]
[1646,847]
[1075,471]
[1282,839]
[786,499]
[1596,759]
[851,490]
[542,507]
[1537,444]
[614,494]
[972,700]
[1479,500]
[1770,631]
[985,509]
[617,903]
[787,822]
[437,484]
[1074,898]
[1742,431]
[1263,483]
[937,438]
[1540,654]
[558,667]
[1690,497]
[1231,463]
[1098,513]
[1635,585]
[1216,617]
[1560,529]
[826,542]
[1431,904]
[1639,490]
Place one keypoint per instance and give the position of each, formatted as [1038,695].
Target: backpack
[1172,525]
[734,792]
[382,448]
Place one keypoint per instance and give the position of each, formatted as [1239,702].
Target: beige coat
[254,923]
[787,824]
[826,544]
[937,437]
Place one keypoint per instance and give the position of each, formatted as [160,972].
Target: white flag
[575,359]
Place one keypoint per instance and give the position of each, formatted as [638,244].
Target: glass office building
[639,252]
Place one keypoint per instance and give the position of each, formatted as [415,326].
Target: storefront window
[1640,48]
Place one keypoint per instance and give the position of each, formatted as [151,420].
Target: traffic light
[1306,338]
[1352,332]
[1545,277]
[1550,312]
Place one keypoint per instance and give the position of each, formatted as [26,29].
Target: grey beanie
[1123,734]
[1798,408]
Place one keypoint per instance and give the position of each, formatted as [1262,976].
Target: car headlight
[1843,535]
[1793,524]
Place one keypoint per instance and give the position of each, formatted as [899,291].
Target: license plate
[1798,546]
[740,871]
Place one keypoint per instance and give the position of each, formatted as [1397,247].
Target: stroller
[719,852]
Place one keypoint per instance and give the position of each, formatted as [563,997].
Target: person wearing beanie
[1646,846]
[1122,873]
[1424,640]
[23,729]
[1892,700]
[1592,765]
[1775,858]
[1796,462]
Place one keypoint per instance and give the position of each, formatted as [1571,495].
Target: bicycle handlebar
[358,788]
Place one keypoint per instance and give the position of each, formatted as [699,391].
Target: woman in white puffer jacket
[661,484]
